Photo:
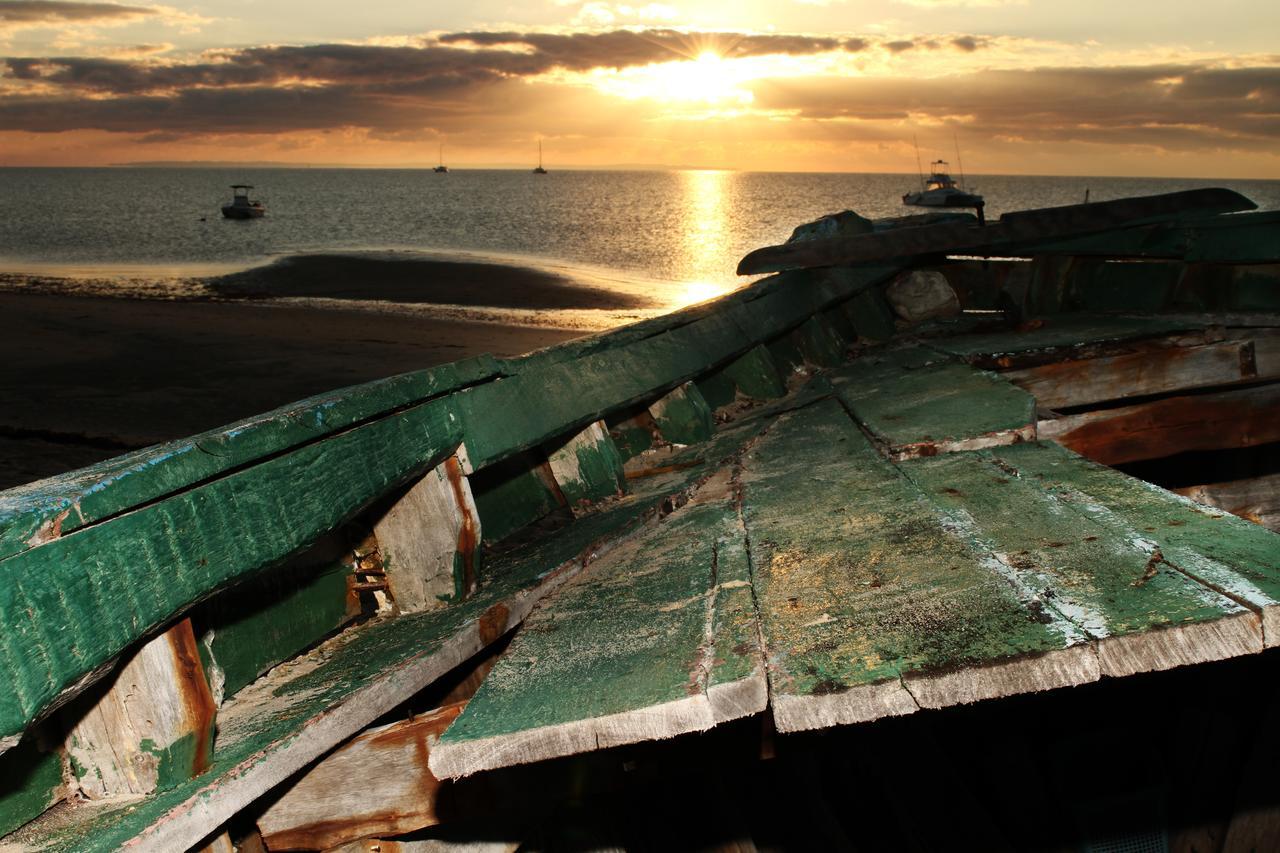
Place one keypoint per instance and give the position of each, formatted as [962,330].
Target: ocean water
[689,227]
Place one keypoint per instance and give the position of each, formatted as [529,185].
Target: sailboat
[442,167]
[539,170]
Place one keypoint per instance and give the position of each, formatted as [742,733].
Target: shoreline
[87,378]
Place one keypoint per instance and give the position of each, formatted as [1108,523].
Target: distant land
[272,164]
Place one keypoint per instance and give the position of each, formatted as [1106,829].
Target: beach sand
[87,378]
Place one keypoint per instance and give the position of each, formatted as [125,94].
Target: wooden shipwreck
[869,486]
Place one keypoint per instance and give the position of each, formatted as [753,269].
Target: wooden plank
[1243,238]
[73,604]
[627,652]
[1256,499]
[682,416]
[1059,337]
[820,343]
[1239,559]
[934,407]
[587,468]
[429,539]
[378,783]
[753,374]
[305,707]
[514,493]
[151,728]
[1240,418]
[1114,585]
[872,603]
[1009,231]
[1159,371]
[271,617]
[36,513]
[31,780]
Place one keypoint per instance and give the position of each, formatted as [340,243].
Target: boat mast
[919,168]
[441,153]
[539,153]
[959,162]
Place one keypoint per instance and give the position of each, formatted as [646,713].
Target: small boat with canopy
[241,206]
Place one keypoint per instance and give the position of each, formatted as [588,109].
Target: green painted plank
[30,782]
[871,316]
[754,374]
[512,494]
[819,342]
[1238,238]
[1063,331]
[40,511]
[1256,288]
[683,416]
[931,408]
[622,654]
[1112,584]
[873,603]
[362,673]
[270,619]
[587,467]
[73,604]
[1234,556]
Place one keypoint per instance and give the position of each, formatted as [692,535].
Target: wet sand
[86,378]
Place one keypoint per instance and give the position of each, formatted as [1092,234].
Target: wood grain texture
[153,726]
[1244,238]
[1239,559]
[682,416]
[1061,337]
[429,540]
[1113,584]
[1159,371]
[916,408]
[71,605]
[378,783]
[629,651]
[869,591]
[1239,418]
[1256,499]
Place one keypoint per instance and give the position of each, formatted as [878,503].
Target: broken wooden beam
[587,468]
[378,783]
[1155,371]
[1010,230]
[1244,417]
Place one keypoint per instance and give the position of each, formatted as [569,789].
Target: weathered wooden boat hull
[789,501]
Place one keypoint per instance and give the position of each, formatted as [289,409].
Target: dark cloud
[34,12]
[1177,107]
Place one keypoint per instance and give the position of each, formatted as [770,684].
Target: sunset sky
[1093,87]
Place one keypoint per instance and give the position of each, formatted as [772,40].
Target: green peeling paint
[175,761]
[683,416]
[511,495]
[30,782]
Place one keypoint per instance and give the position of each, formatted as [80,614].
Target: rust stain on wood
[193,690]
[493,623]
[468,536]
[50,530]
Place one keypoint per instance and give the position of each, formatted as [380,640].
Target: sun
[708,78]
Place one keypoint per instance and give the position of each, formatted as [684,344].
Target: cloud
[480,82]
[47,13]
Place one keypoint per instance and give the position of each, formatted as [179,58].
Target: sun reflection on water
[704,235]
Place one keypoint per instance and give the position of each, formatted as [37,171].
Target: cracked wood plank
[1244,417]
[1239,559]
[72,605]
[1115,585]
[656,640]
[914,408]
[874,604]
[1161,371]
[378,783]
